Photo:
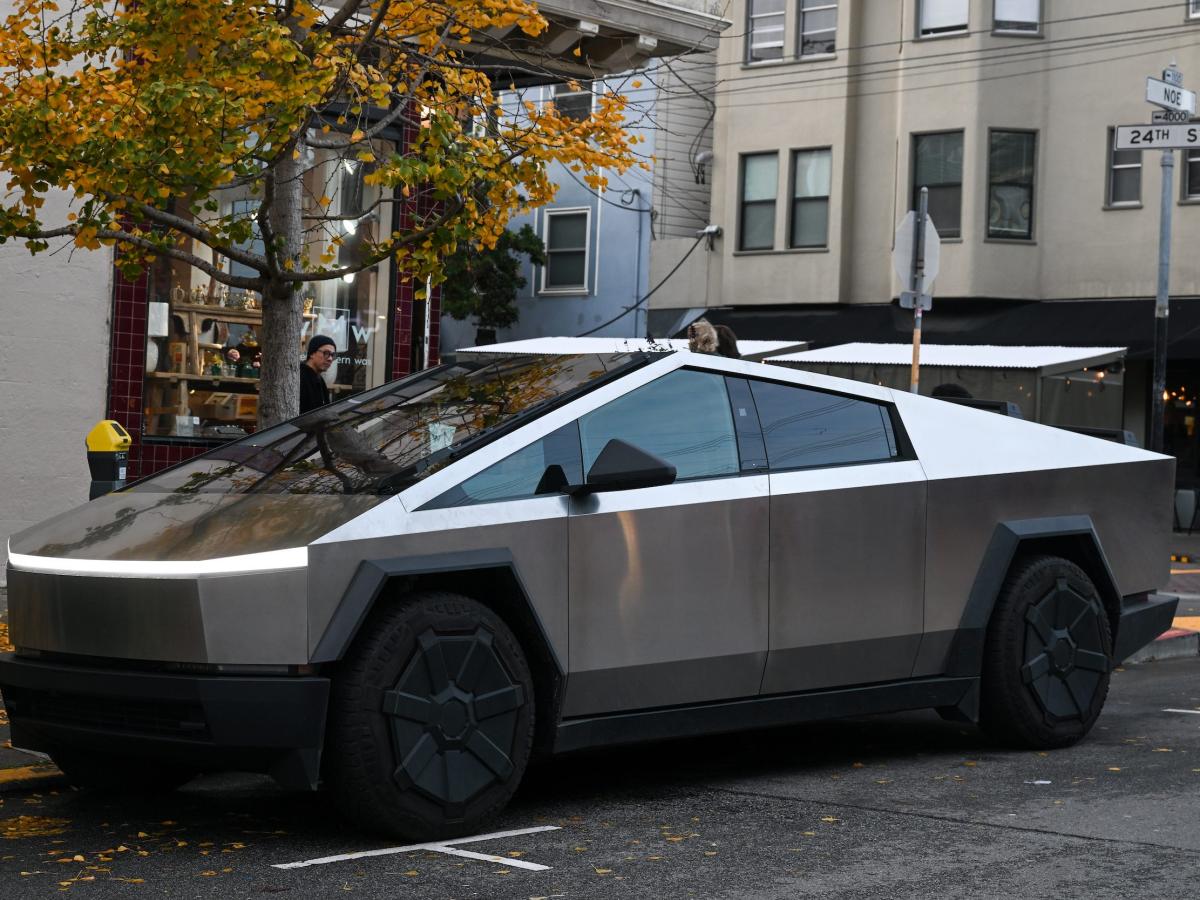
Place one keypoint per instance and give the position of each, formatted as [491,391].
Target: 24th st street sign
[1157,137]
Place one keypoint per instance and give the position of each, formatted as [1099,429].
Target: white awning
[957,356]
[575,345]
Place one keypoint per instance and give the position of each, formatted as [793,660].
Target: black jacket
[313,390]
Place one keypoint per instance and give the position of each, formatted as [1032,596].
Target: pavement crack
[933,817]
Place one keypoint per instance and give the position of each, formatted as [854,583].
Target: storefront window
[203,354]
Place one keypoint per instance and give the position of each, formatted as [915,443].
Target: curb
[24,778]
[1177,643]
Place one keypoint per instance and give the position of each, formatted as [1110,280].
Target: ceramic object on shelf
[151,355]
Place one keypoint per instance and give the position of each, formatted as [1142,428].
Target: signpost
[917,260]
[1167,133]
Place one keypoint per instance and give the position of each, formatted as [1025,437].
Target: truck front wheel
[431,718]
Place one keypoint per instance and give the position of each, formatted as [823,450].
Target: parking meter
[107,456]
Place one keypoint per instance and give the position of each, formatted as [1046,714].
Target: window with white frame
[1011,157]
[1191,174]
[760,179]
[764,29]
[566,251]
[573,100]
[1018,16]
[818,27]
[939,17]
[938,165]
[1124,175]
[810,198]
[1194,9]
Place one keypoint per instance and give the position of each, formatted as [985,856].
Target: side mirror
[622,467]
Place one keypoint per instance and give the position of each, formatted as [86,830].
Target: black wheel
[106,772]
[431,719]
[1047,657]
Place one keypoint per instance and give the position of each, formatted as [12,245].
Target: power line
[630,309]
[900,42]
[946,84]
[968,57]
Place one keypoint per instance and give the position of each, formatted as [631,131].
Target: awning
[1078,323]
[753,350]
[1042,360]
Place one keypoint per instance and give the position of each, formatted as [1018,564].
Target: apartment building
[832,114]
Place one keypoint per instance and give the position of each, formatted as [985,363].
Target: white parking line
[437,847]
[1188,712]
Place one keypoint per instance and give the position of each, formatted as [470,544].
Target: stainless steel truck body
[410,592]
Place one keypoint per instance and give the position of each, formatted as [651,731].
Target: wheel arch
[1073,538]
[490,577]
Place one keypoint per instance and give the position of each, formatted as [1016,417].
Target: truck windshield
[380,442]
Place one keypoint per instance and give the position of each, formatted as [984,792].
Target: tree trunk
[279,389]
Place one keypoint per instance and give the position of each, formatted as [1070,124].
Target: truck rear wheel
[431,718]
[1047,657]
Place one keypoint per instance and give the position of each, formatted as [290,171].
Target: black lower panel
[271,724]
[1142,622]
[759,712]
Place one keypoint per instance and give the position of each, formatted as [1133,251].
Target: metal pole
[1162,303]
[917,285]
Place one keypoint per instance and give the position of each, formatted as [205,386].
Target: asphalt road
[888,806]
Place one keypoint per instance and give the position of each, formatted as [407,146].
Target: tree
[482,282]
[152,114]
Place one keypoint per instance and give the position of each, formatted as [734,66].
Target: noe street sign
[1157,137]
[1170,96]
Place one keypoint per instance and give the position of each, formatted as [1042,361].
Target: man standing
[313,390]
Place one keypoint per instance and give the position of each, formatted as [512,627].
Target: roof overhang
[611,36]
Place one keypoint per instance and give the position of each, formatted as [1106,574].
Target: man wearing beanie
[313,390]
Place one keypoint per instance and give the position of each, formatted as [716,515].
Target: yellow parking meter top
[108,437]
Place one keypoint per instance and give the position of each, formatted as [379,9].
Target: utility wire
[945,84]
[982,56]
[650,294]
[901,42]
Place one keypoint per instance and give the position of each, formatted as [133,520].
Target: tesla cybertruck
[407,594]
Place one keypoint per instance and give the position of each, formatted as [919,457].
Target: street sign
[1169,96]
[1157,137]
[902,255]
[1172,75]
[1170,117]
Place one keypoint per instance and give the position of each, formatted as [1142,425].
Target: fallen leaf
[602,871]
[1114,768]
[830,819]
[412,873]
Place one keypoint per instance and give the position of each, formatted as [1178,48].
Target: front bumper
[213,722]
[1141,621]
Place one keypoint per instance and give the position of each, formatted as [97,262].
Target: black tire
[1048,656]
[105,772]
[431,719]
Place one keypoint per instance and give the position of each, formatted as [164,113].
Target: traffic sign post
[1168,94]
[917,260]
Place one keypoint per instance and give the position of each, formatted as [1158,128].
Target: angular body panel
[668,591]
[847,575]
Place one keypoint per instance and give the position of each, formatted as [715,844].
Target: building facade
[597,240]
[832,114]
[88,344]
